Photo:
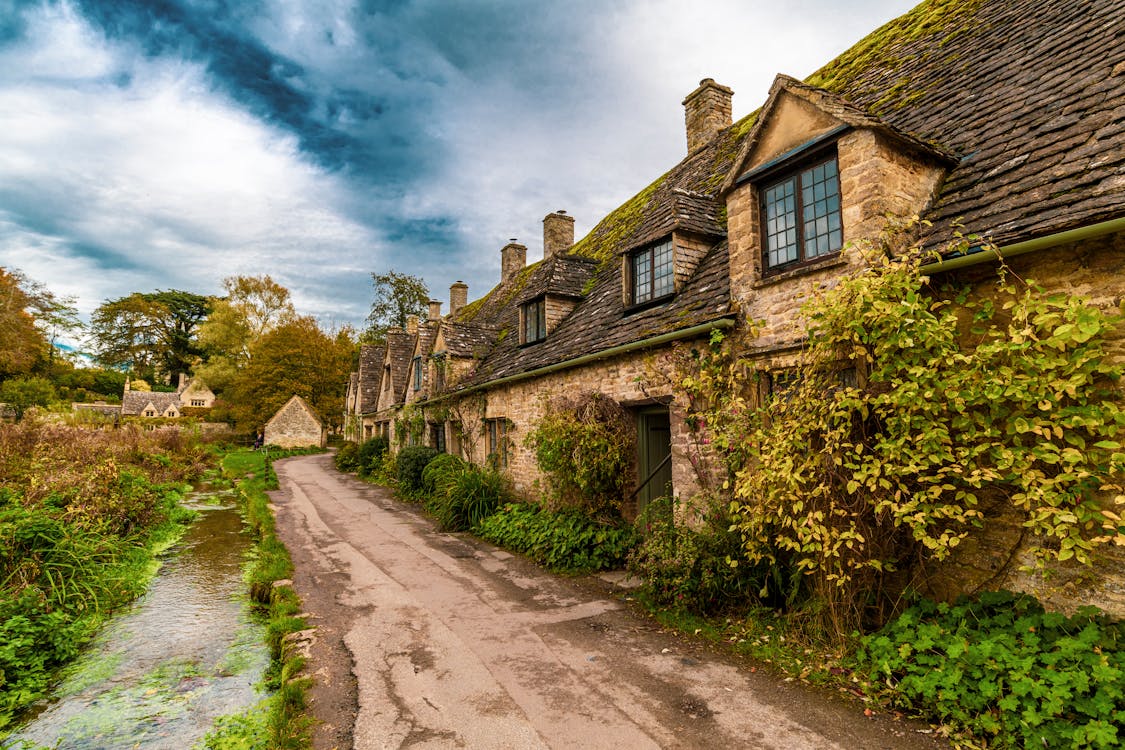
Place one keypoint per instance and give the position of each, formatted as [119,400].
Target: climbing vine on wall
[584,445]
[910,410]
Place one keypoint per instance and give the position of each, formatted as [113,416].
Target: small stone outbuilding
[296,425]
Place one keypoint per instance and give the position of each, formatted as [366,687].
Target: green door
[654,445]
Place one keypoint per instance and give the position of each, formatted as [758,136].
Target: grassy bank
[279,721]
[83,515]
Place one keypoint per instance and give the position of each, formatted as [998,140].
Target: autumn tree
[151,334]
[22,344]
[254,306]
[397,295]
[296,357]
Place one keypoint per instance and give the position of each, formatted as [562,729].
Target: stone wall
[294,427]
[634,380]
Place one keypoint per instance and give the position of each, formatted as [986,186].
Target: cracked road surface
[432,640]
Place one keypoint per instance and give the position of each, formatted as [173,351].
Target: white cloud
[158,169]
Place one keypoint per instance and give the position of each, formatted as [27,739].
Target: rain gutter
[664,338]
[1028,246]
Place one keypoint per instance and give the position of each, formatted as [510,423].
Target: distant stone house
[191,394]
[296,425]
[980,118]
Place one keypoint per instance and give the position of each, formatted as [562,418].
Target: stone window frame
[198,402]
[655,294]
[417,364]
[795,169]
[498,431]
[533,321]
[437,436]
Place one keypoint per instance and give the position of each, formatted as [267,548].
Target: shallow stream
[184,654]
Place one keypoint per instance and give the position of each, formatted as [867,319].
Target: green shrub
[370,455]
[583,445]
[1006,671]
[562,540]
[347,457]
[696,569]
[412,462]
[440,471]
[463,497]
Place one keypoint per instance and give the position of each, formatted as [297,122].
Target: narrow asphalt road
[432,640]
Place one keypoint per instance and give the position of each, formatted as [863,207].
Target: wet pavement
[454,643]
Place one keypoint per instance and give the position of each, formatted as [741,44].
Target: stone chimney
[412,324]
[513,257]
[126,383]
[706,112]
[458,296]
[558,233]
[435,309]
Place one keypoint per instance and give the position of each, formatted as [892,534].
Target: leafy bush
[694,568]
[584,446]
[1007,671]
[562,540]
[463,496]
[411,463]
[439,472]
[347,457]
[912,411]
[370,456]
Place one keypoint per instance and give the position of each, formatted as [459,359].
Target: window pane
[663,270]
[821,216]
[779,206]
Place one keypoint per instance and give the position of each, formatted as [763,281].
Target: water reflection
[184,654]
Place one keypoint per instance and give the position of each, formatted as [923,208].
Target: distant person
[258,440]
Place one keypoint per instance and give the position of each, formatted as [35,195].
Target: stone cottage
[296,425]
[191,393]
[992,118]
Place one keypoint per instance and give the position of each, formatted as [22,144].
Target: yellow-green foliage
[958,401]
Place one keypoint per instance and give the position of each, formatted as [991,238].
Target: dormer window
[652,273]
[801,215]
[534,321]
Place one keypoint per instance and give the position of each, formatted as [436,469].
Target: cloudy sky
[166,144]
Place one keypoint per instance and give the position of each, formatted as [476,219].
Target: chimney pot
[558,233]
[412,324]
[707,110]
[435,309]
[458,296]
[513,257]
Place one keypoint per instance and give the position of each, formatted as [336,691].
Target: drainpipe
[1028,246]
[664,338]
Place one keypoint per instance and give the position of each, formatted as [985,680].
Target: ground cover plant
[82,515]
[1004,671]
[565,540]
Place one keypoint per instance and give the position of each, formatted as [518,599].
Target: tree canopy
[253,307]
[397,295]
[296,357]
[152,334]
